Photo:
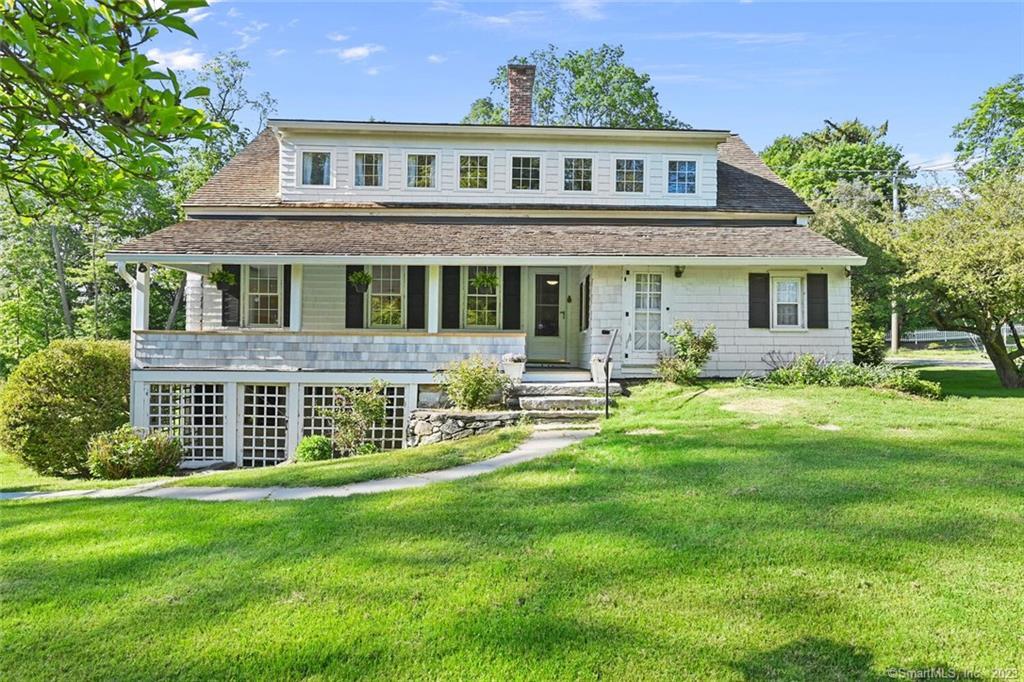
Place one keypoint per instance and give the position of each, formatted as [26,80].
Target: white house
[585,231]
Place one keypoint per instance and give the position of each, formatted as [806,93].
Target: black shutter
[510,291]
[817,301]
[586,303]
[415,290]
[451,282]
[231,298]
[353,301]
[286,302]
[760,301]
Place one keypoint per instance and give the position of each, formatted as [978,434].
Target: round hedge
[59,398]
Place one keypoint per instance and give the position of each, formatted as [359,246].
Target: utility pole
[894,342]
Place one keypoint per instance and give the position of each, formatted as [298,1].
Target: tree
[965,262]
[82,109]
[814,162]
[592,88]
[991,139]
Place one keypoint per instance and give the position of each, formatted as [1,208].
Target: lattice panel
[264,425]
[193,414]
[389,435]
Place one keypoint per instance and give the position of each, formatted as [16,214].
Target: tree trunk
[62,283]
[1010,375]
[172,316]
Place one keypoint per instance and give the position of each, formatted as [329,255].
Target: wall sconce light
[849,271]
[680,269]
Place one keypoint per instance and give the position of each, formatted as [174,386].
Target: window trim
[299,151]
[647,170]
[698,173]
[437,169]
[660,309]
[383,186]
[499,294]
[459,153]
[528,155]
[244,321]
[801,310]
[404,294]
[561,173]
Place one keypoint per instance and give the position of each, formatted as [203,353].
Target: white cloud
[280,52]
[373,71]
[183,60]
[584,9]
[234,13]
[196,14]
[357,53]
[337,37]
[509,19]
[250,34]
[436,58]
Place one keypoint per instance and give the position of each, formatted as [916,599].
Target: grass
[719,533]
[367,467]
[939,354]
[16,477]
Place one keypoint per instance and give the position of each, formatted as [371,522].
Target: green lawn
[367,467]
[939,354]
[727,533]
[15,476]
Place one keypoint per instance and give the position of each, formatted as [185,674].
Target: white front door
[546,331]
[643,297]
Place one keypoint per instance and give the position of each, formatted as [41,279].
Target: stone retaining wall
[433,426]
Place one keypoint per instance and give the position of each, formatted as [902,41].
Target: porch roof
[268,240]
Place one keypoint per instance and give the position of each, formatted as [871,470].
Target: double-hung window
[263,288]
[483,287]
[629,175]
[786,302]
[386,294]
[421,171]
[316,168]
[578,174]
[369,169]
[473,169]
[682,177]
[526,173]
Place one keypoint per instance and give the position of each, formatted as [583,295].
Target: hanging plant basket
[360,281]
[485,282]
[223,279]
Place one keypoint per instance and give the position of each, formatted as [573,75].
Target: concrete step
[560,402]
[568,426]
[554,374]
[566,388]
[540,416]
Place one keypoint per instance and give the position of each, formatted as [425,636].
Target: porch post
[140,299]
[433,299]
[295,323]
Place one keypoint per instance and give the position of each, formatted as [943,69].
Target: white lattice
[264,424]
[192,413]
[388,435]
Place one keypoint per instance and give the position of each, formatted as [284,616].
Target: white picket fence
[937,336]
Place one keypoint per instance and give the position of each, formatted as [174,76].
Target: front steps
[560,402]
[567,395]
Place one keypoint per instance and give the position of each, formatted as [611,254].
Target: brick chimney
[520,94]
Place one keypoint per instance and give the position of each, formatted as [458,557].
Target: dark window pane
[546,300]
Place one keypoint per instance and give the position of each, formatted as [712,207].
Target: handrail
[607,373]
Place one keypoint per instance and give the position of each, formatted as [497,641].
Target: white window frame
[530,155]
[300,151]
[281,322]
[800,302]
[660,310]
[383,169]
[437,169]
[458,170]
[464,298]
[368,300]
[561,173]
[615,176]
[698,173]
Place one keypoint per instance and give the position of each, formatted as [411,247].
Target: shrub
[869,344]
[314,449]
[357,409]
[690,352]
[124,453]
[807,370]
[60,397]
[472,383]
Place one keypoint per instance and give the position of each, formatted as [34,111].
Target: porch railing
[608,374]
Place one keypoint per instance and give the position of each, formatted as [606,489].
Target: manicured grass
[939,354]
[15,476]
[727,533]
[368,467]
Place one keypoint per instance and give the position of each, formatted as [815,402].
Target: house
[484,240]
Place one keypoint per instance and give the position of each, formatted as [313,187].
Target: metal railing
[608,374]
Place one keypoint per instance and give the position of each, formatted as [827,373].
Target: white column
[295,323]
[140,299]
[232,420]
[294,410]
[433,299]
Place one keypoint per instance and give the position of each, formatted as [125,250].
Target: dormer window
[369,169]
[579,174]
[526,173]
[473,170]
[420,171]
[682,177]
[629,175]
[316,169]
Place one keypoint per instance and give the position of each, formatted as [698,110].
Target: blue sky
[758,68]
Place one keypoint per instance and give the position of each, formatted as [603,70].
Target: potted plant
[597,368]
[222,279]
[484,281]
[513,365]
[360,280]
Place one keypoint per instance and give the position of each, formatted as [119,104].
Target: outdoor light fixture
[552,282]
[680,269]
[849,271]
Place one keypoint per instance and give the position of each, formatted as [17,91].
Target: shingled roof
[269,237]
[250,180]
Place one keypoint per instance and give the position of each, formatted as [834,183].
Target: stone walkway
[540,444]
